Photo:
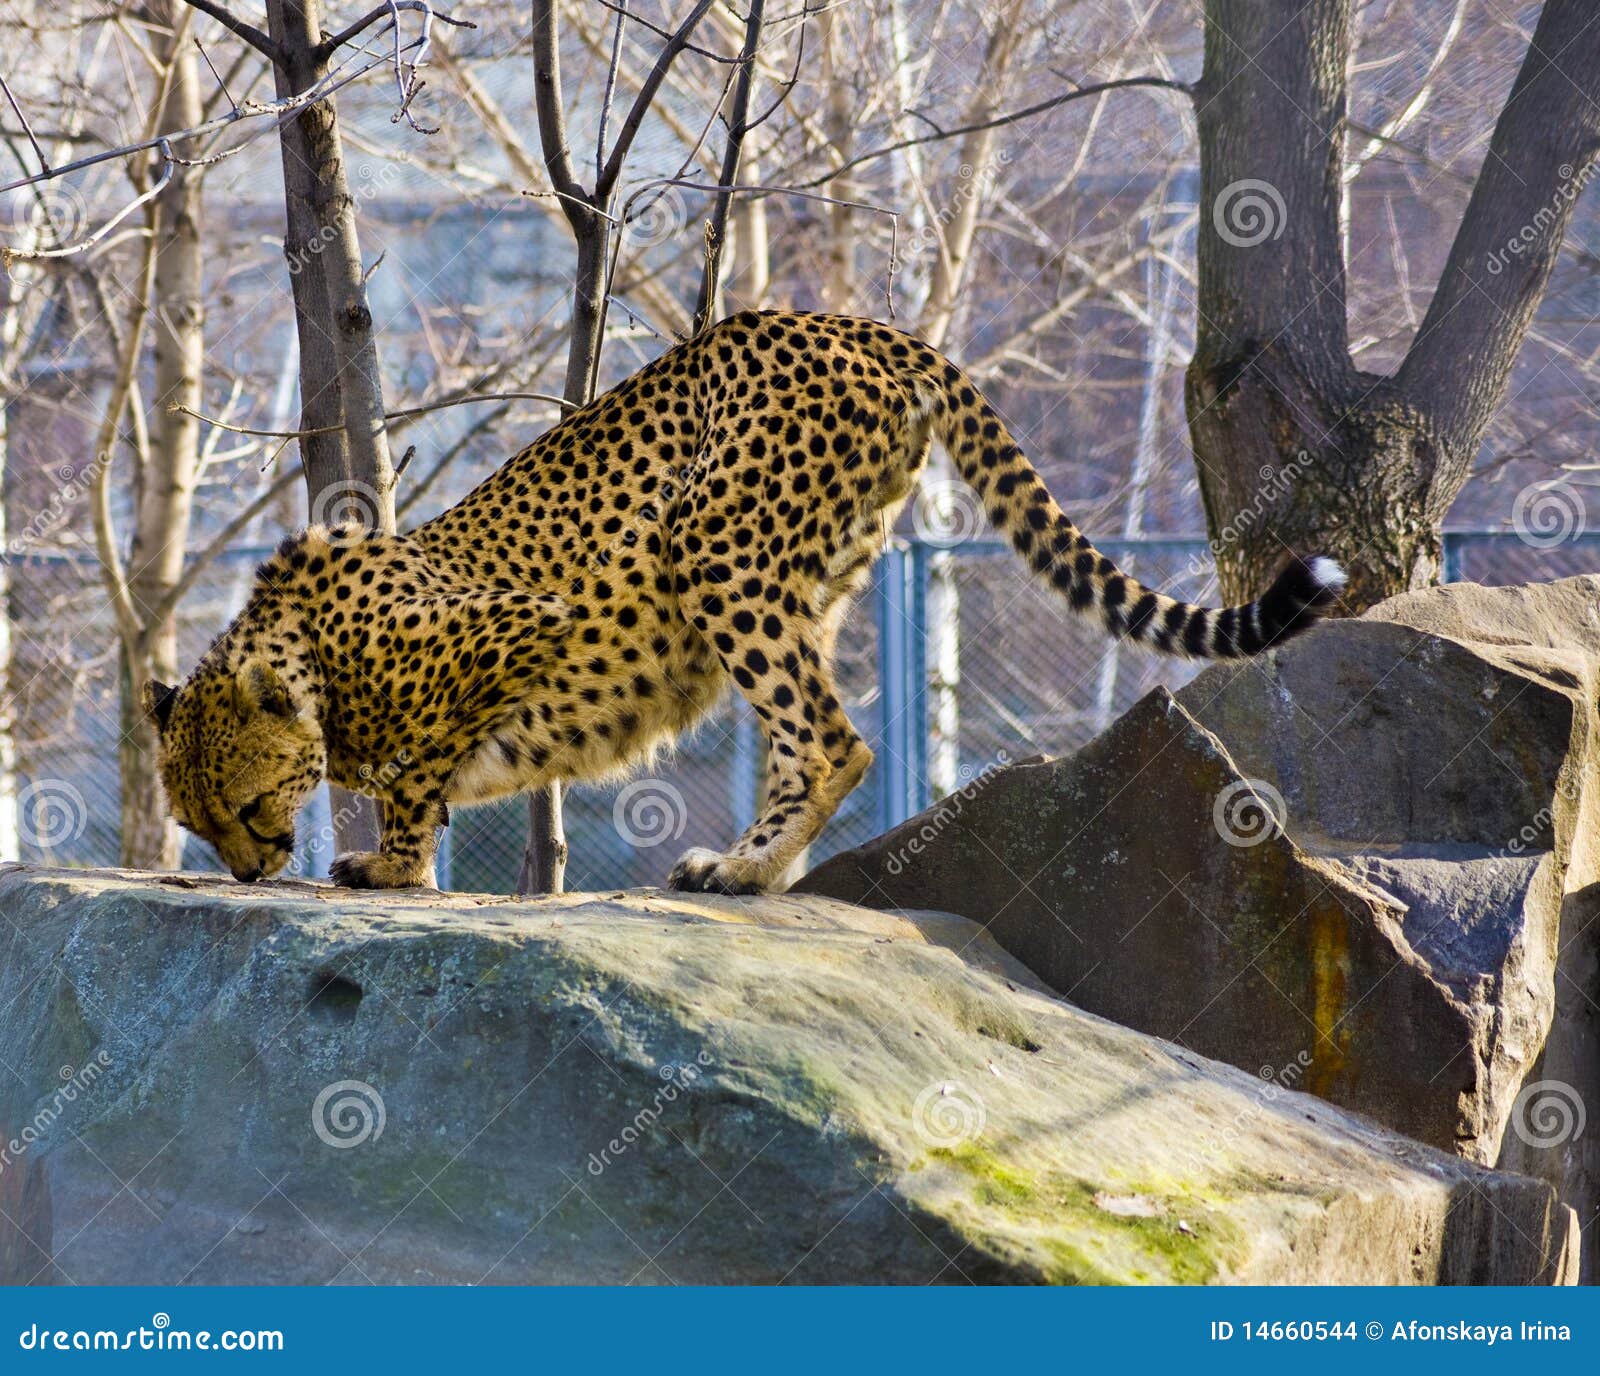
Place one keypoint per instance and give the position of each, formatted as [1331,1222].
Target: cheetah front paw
[372,869]
[708,871]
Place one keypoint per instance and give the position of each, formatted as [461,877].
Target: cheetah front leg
[413,812]
[814,759]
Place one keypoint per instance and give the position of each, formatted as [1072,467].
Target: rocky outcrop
[214,1083]
[1373,850]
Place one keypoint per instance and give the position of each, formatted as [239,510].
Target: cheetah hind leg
[814,759]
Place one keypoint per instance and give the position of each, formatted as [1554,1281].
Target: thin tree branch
[643,99]
[283,109]
[221,540]
[330,46]
[998,122]
[251,35]
[405,414]
[733,151]
[22,119]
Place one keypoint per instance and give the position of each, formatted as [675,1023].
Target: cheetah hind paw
[372,869]
[707,871]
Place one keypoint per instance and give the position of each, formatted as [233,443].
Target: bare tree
[171,465]
[591,213]
[1376,460]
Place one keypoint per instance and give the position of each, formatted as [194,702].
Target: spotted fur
[708,520]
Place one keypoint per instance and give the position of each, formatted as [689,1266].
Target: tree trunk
[1296,448]
[349,475]
[149,838]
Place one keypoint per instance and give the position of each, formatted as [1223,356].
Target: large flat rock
[214,1084]
[1376,848]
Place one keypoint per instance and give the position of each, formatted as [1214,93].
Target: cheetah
[709,519]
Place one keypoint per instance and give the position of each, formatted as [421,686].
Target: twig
[404,414]
[733,151]
[332,45]
[645,97]
[999,121]
[610,92]
[753,189]
[249,110]
[233,104]
[27,129]
[261,42]
[10,255]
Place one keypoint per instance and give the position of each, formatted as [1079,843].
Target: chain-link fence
[955,661]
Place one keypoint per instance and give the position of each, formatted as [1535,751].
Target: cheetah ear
[157,700]
[257,688]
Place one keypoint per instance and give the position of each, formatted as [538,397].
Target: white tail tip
[1328,573]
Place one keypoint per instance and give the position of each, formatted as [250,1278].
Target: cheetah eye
[248,812]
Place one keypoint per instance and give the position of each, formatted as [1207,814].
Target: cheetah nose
[248,876]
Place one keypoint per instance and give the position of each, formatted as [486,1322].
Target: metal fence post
[894,724]
[919,724]
[1450,558]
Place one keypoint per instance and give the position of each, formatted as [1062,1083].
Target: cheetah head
[239,757]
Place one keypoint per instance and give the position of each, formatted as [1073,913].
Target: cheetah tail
[1017,502]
